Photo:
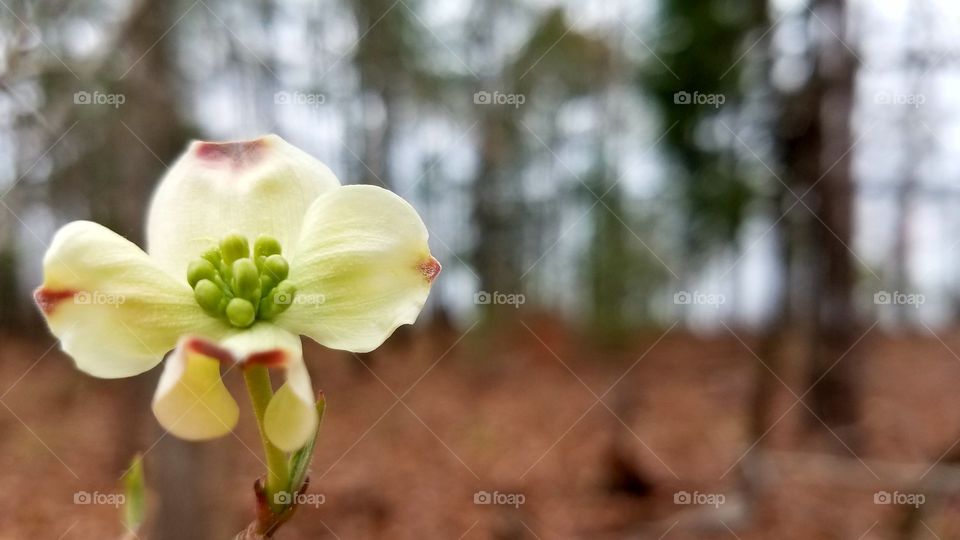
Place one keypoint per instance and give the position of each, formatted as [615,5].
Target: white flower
[356,265]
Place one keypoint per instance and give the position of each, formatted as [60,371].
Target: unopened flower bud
[276,267]
[240,313]
[233,247]
[200,269]
[246,279]
[208,295]
[266,246]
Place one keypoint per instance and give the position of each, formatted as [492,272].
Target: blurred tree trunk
[12,311]
[609,260]
[776,346]
[816,325]
[380,63]
[833,397]
[609,267]
[793,336]
[497,230]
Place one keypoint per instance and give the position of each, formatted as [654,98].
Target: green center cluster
[232,284]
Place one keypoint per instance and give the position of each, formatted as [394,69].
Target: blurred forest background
[690,248]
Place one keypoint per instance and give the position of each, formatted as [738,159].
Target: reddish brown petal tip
[48,299]
[234,154]
[430,269]
[273,358]
[209,349]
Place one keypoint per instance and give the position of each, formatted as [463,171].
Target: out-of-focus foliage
[704,48]
[135,496]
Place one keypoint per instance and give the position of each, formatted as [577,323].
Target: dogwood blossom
[249,245]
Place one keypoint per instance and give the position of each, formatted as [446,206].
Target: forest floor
[571,440]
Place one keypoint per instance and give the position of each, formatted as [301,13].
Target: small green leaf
[300,460]
[135,492]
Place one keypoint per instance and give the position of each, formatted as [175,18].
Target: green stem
[278,476]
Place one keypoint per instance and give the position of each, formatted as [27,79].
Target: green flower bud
[286,290]
[266,246]
[212,255]
[233,247]
[208,295]
[267,284]
[278,300]
[246,280]
[241,313]
[276,267]
[224,288]
[200,269]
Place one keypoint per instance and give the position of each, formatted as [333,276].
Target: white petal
[263,186]
[291,416]
[362,268]
[191,400]
[115,311]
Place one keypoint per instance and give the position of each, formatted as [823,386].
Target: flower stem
[260,390]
